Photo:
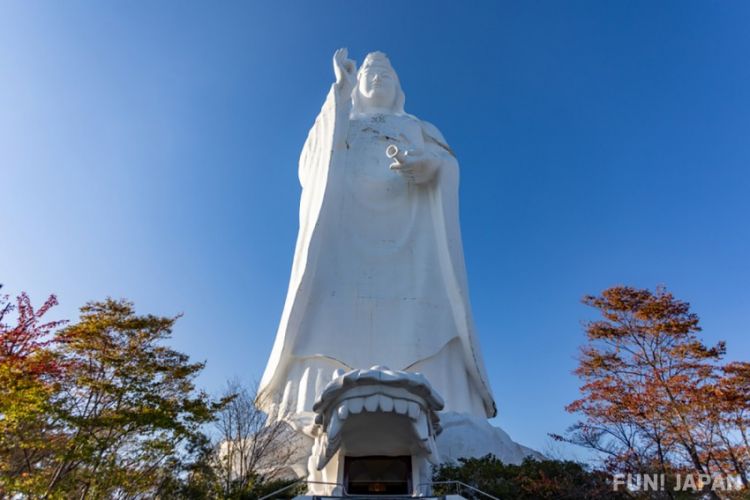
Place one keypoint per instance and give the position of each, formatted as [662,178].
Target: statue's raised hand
[345,69]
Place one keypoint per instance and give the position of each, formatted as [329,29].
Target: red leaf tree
[29,378]
[655,398]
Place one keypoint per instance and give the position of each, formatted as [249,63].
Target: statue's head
[377,86]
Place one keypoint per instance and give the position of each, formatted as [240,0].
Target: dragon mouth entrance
[376,412]
[378,475]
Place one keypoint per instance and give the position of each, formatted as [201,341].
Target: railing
[458,488]
[294,485]
[425,490]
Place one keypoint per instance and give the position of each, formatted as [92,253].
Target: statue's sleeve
[327,131]
[318,153]
[319,140]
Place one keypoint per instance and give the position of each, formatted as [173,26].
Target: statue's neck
[376,110]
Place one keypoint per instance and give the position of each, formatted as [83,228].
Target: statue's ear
[398,106]
[355,97]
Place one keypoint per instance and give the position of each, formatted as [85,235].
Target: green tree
[129,404]
[193,479]
[531,480]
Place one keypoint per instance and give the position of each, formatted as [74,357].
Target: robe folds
[378,276]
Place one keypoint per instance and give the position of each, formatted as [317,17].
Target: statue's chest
[367,164]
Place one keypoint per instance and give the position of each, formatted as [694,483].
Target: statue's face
[378,87]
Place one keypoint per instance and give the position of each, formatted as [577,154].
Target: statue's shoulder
[432,131]
[428,129]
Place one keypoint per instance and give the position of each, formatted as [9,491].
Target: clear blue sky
[148,150]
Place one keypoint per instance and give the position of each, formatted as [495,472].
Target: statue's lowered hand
[344,68]
[414,165]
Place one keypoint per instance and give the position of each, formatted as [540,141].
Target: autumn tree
[651,387]
[29,379]
[103,408]
[731,414]
[128,401]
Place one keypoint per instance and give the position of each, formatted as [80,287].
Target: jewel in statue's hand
[416,166]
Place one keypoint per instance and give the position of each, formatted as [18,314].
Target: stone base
[468,436]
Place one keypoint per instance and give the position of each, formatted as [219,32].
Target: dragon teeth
[343,411]
[334,427]
[421,427]
[413,410]
[371,403]
[401,406]
[386,403]
[355,405]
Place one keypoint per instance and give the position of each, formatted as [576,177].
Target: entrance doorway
[377,475]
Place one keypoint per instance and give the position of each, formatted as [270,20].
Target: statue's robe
[378,276]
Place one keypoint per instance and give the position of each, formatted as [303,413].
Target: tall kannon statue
[378,276]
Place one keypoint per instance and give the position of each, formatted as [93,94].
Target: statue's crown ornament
[376,60]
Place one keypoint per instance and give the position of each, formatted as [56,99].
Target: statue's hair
[379,59]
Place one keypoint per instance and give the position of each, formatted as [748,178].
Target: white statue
[378,275]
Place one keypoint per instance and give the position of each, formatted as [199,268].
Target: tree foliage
[104,408]
[531,480]
[129,401]
[655,398]
[29,379]
[101,408]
